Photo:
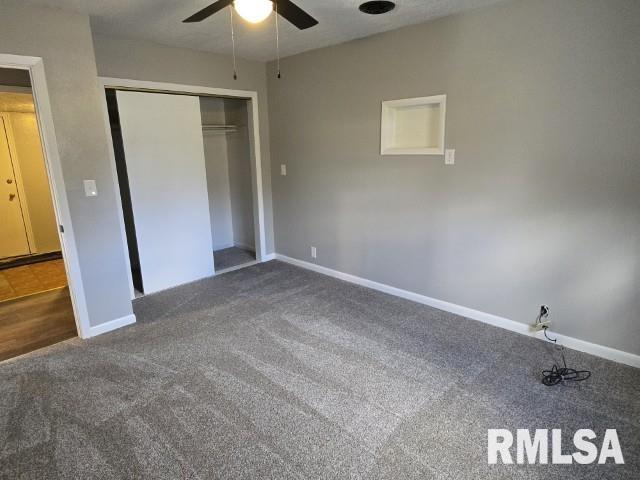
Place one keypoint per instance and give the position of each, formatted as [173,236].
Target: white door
[13,235]
[164,152]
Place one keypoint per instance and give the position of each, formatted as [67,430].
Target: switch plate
[314,252]
[449,156]
[90,188]
[283,170]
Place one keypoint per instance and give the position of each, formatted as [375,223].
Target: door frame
[194,90]
[17,173]
[44,118]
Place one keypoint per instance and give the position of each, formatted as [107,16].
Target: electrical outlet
[314,252]
[542,322]
[449,157]
[283,170]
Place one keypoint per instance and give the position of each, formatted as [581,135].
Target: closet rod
[219,127]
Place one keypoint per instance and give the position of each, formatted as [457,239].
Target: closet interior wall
[228,165]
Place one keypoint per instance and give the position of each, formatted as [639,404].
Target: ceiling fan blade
[295,14]
[206,12]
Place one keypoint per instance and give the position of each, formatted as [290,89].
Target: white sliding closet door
[162,136]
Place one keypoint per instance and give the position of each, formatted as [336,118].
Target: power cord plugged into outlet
[557,374]
[542,320]
[543,323]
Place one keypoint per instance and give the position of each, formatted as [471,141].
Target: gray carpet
[276,372]
[232,257]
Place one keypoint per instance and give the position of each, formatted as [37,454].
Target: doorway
[36,309]
[14,241]
[169,167]
[228,165]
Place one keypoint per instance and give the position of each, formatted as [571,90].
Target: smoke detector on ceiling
[377,7]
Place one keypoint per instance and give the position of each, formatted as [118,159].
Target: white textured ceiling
[160,21]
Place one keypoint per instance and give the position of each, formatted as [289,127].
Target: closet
[184,169]
[228,164]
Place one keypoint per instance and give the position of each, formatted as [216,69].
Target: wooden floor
[35,321]
[29,279]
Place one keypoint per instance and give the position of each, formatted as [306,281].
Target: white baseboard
[112,325]
[223,246]
[268,257]
[518,327]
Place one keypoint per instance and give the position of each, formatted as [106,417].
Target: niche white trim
[413,126]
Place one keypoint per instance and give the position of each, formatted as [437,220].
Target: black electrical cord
[562,374]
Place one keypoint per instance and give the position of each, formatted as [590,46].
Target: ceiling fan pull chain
[277,39]
[233,45]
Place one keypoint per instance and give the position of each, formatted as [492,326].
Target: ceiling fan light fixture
[253,11]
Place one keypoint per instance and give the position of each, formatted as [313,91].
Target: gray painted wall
[140,60]
[13,77]
[543,204]
[64,41]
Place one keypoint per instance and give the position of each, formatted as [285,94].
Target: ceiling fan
[257,10]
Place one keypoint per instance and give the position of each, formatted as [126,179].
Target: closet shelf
[219,128]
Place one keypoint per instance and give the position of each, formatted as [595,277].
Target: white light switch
[283,170]
[314,252]
[449,157]
[90,189]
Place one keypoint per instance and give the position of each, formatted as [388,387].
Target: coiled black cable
[562,374]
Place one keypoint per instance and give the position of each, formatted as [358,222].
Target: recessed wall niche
[413,126]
